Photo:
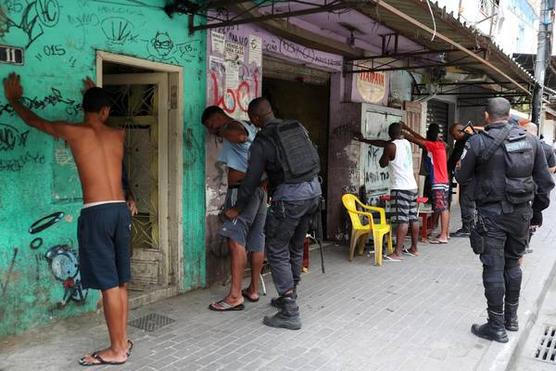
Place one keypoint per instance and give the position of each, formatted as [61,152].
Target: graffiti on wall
[375,178]
[34,18]
[162,47]
[233,98]
[12,137]
[234,72]
[61,259]
[55,98]
[273,44]
[14,140]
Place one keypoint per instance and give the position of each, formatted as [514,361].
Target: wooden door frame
[174,163]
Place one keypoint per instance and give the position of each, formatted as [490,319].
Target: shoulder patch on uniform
[519,146]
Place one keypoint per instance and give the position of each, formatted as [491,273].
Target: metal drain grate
[151,322]
[546,349]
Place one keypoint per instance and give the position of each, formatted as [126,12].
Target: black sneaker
[462,232]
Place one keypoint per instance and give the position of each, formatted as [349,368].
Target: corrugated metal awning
[412,19]
[460,45]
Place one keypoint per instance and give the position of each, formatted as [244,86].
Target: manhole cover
[151,322]
[546,348]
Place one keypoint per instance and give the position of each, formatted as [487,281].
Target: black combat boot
[464,231]
[279,301]
[493,329]
[287,317]
[510,316]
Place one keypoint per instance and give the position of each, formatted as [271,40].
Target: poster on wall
[370,87]
[375,178]
[218,41]
[234,72]
[255,50]
[234,52]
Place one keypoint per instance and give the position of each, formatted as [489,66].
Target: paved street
[410,315]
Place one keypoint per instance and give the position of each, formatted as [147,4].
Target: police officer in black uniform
[284,151]
[511,181]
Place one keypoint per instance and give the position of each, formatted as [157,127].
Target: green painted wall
[37,174]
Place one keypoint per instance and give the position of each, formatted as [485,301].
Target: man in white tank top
[398,157]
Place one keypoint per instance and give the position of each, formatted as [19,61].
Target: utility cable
[433,20]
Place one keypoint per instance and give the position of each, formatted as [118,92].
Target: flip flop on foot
[410,253]
[130,348]
[392,258]
[245,294]
[97,360]
[413,251]
[437,242]
[223,306]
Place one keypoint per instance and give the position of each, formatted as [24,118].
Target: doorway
[146,103]
[309,104]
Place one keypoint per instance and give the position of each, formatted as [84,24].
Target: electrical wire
[433,20]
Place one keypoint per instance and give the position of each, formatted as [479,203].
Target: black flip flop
[225,307]
[101,361]
[131,344]
[245,294]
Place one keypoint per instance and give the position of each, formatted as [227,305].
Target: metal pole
[546,23]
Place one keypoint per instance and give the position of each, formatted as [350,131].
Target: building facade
[155,73]
[337,70]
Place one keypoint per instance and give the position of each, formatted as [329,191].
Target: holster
[478,234]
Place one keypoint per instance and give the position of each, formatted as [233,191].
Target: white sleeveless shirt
[401,168]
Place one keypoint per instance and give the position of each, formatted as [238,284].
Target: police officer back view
[511,181]
[284,151]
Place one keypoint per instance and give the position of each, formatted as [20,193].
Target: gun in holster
[478,234]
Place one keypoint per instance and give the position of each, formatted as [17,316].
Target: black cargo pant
[505,242]
[467,205]
[287,223]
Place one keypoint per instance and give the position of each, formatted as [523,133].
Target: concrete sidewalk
[410,315]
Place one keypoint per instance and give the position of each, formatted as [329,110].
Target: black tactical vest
[296,154]
[519,161]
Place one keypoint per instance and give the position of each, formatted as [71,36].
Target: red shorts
[440,199]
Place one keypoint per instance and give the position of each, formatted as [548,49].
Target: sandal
[407,252]
[223,306]
[438,242]
[100,360]
[245,294]
[131,344]
[388,258]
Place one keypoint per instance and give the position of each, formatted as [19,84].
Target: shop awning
[383,35]
[461,44]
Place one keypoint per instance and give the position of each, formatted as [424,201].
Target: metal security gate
[438,113]
[139,105]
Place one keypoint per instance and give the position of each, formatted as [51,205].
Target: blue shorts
[104,233]
[248,228]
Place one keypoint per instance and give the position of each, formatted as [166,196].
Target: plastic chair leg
[360,244]
[378,237]
[352,243]
[390,249]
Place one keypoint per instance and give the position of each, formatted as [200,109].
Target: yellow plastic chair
[359,229]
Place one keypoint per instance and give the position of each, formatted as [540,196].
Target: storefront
[245,62]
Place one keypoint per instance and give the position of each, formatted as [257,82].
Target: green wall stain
[38,176]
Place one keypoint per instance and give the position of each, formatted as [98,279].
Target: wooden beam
[300,35]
